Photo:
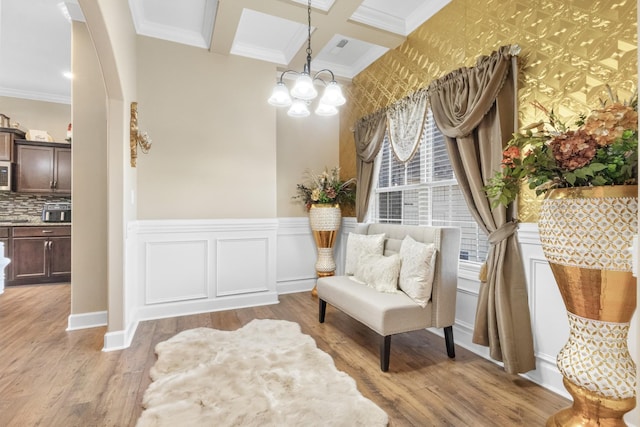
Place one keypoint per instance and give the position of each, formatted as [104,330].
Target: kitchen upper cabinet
[7,137]
[43,168]
[6,146]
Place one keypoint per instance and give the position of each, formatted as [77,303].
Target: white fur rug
[266,373]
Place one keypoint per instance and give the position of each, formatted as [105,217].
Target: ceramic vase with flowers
[323,194]
[587,222]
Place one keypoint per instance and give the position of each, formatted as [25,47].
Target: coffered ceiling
[347,35]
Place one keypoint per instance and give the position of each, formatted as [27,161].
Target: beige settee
[393,313]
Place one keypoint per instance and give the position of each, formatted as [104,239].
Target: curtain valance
[405,122]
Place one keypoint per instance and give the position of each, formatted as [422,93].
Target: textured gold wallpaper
[570,50]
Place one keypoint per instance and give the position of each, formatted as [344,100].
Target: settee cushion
[379,272]
[385,313]
[417,271]
[359,245]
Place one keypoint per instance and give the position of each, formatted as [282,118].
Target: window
[424,191]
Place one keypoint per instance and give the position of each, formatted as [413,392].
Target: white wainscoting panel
[242,266]
[297,253]
[296,256]
[176,271]
[194,266]
[548,315]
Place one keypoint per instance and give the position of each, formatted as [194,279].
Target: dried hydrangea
[573,149]
[608,123]
[509,155]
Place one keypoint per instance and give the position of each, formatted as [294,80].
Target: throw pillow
[418,267]
[379,272]
[361,244]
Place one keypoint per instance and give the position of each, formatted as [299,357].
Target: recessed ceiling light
[68,74]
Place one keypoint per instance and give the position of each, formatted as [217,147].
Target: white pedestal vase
[585,235]
[325,222]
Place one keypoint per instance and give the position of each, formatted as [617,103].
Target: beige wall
[114,39]
[309,143]
[48,116]
[213,133]
[89,168]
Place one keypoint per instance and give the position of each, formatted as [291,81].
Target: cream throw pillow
[379,272]
[359,245]
[418,267]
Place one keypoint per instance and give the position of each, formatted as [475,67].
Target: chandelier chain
[309,30]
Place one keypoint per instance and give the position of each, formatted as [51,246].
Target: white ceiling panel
[268,37]
[188,22]
[349,60]
[399,16]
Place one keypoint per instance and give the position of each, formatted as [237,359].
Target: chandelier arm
[297,73]
[315,76]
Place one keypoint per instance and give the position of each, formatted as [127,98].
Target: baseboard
[119,340]
[186,308]
[294,286]
[87,320]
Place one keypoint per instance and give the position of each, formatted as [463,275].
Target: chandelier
[303,91]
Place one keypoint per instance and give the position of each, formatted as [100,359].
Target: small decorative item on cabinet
[69,134]
[39,135]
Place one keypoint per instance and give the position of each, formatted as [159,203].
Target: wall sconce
[136,138]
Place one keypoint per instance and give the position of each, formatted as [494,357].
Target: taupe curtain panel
[368,134]
[476,109]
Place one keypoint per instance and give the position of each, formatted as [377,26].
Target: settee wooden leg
[448,339]
[322,309]
[385,350]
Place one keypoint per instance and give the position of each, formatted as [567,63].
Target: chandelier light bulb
[303,89]
[280,96]
[326,109]
[298,109]
[333,95]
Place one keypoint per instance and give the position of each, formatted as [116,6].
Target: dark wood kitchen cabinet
[40,255]
[7,136]
[43,167]
[4,238]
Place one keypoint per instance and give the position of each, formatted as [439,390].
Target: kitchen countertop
[28,221]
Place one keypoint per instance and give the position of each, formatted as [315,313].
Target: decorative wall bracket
[136,138]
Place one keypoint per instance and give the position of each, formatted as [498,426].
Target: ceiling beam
[336,21]
[326,24]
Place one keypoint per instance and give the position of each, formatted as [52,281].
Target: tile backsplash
[19,204]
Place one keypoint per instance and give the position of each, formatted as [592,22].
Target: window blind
[424,192]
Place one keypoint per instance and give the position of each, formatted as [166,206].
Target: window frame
[427,168]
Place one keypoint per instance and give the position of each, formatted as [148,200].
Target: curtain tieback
[494,238]
[502,233]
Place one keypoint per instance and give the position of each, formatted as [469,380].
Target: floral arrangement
[602,150]
[326,188]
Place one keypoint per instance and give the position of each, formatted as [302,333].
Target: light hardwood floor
[50,377]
